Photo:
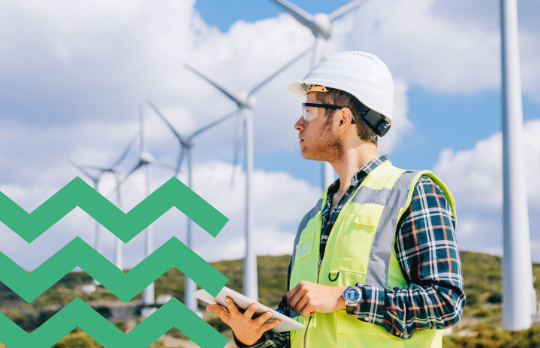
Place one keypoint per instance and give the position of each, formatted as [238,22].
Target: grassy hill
[482,315]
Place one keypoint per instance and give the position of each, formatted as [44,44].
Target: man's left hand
[307,298]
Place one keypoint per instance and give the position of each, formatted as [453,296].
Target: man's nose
[300,124]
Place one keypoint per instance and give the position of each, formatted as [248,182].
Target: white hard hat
[361,74]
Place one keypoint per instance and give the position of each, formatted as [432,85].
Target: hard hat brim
[297,89]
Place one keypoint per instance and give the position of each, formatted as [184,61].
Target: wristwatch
[352,296]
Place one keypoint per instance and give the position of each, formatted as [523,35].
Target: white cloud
[73,75]
[280,200]
[76,74]
[449,47]
[475,178]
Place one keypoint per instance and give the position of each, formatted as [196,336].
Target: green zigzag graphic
[125,226]
[78,313]
[124,285]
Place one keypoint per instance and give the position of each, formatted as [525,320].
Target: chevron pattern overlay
[125,286]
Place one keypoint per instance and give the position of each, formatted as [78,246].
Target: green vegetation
[480,326]
[489,338]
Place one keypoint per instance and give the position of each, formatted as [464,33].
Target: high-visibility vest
[360,248]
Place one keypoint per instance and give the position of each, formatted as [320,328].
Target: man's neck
[352,161]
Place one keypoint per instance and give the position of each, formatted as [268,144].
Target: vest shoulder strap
[308,216]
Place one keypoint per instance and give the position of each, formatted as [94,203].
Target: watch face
[352,294]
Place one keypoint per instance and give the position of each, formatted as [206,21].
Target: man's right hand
[247,330]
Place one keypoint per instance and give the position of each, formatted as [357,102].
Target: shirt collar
[363,172]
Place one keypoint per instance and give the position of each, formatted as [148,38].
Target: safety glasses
[310,112]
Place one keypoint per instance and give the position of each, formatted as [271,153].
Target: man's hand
[247,330]
[307,298]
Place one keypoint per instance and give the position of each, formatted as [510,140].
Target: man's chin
[309,156]
[304,153]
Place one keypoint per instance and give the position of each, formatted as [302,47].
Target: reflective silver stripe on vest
[383,242]
[368,195]
[309,215]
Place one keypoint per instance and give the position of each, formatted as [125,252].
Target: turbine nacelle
[321,25]
[187,143]
[117,169]
[147,157]
[245,100]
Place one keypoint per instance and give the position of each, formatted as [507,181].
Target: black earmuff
[375,121]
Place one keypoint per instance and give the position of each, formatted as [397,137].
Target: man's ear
[345,117]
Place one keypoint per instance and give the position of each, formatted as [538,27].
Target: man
[375,262]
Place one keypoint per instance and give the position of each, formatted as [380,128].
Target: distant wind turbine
[115,169]
[321,27]
[146,159]
[186,144]
[517,264]
[246,102]
[95,179]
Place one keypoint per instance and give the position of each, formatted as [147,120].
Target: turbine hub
[321,25]
[147,157]
[246,100]
[117,169]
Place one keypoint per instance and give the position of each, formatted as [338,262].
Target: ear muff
[377,122]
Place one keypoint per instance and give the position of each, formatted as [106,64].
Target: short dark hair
[342,98]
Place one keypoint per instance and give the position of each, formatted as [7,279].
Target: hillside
[482,315]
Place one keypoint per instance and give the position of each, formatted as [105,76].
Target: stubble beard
[329,147]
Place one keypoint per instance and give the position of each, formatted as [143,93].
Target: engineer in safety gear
[375,262]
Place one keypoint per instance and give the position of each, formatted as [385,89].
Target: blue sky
[74,74]
[441,120]
[224,14]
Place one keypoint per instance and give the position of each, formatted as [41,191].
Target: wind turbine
[517,265]
[115,169]
[146,159]
[95,179]
[186,144]
[321,27]
[246,102]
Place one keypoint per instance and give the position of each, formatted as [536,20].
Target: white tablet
[243,302]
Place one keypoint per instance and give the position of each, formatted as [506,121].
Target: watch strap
[350,309]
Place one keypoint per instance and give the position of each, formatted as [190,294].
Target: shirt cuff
[371,307]
[263,342]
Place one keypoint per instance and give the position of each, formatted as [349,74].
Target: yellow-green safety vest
[360,248]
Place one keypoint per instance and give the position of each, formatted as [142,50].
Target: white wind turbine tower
[186,144]
[246,102]
[321,27]
[115,169]
[517,265]
[146,159]
[95,179]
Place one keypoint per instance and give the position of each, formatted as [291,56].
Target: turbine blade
[223,90]
[141,127]
[176,134]
[300,15]
[126,150]
[102,169]
[179,162]
[93,178]
[131,171]
[163,164]
[238,137]
[281,69]
[343,10]
[215,123]
[118,196]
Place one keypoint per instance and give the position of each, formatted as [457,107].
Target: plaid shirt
[427,252]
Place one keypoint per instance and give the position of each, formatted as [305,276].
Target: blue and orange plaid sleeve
[427,251]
